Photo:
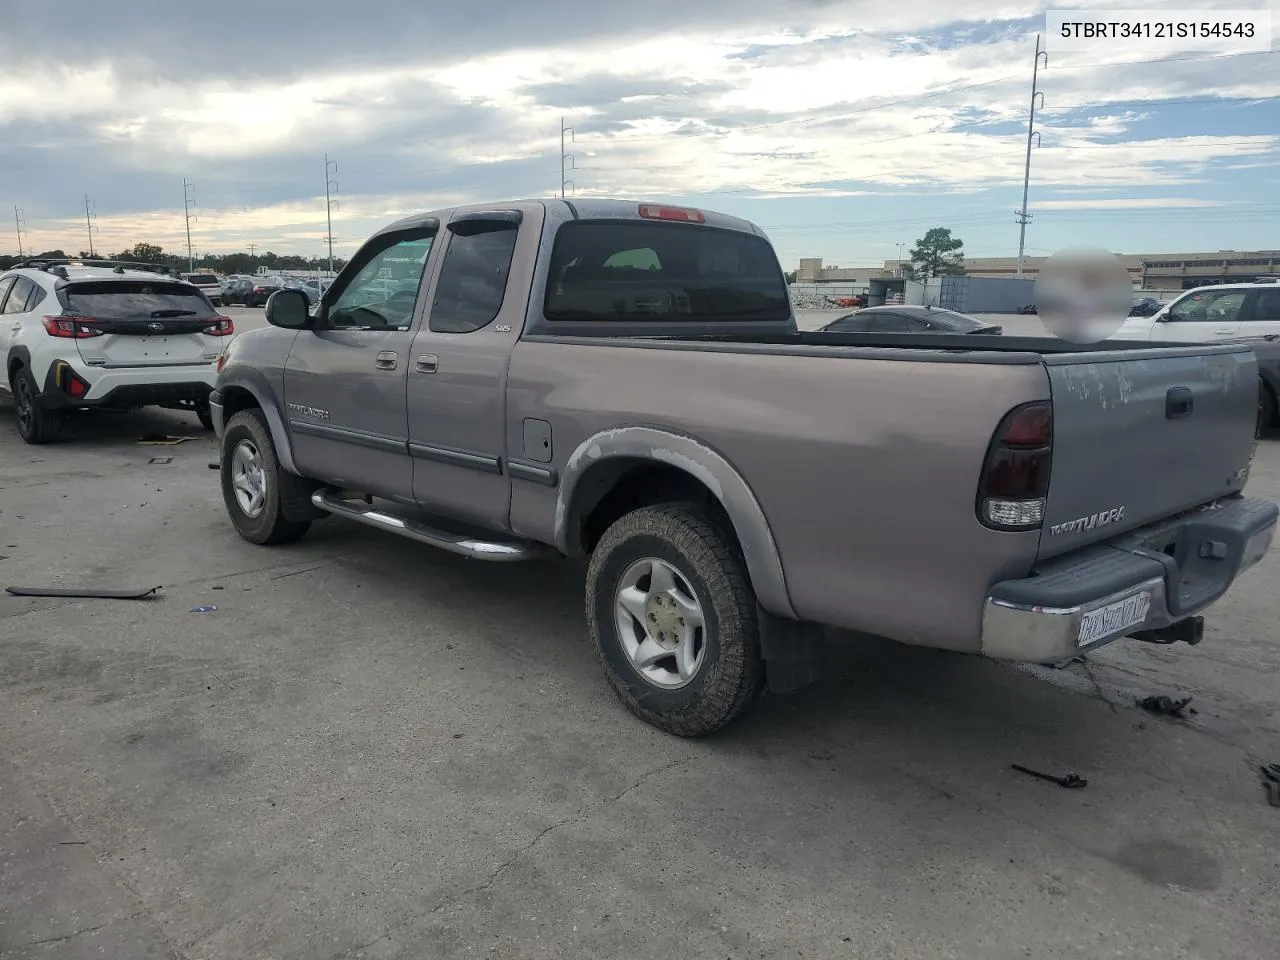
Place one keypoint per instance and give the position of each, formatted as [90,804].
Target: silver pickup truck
[625,382]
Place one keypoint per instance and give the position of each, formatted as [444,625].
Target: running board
[459,543]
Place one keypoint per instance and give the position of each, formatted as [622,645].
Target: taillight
[69,381]
[221,327]
[654,211]
[259,289]
[70,328]
[1014,486]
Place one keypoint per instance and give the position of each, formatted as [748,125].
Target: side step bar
[463,544]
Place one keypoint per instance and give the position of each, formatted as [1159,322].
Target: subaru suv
[100,334]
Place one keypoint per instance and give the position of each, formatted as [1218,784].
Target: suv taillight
[1015,476]
[221,327]
[70,328]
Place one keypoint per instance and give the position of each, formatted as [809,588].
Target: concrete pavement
[372,749]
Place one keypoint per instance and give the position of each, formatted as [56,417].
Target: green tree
[937,254]
[790,276]
[144,253]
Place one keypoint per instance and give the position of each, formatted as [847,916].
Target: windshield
[124,299]
[622,270]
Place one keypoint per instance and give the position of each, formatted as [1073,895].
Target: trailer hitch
[1189,631]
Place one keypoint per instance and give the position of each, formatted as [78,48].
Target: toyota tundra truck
[625,382]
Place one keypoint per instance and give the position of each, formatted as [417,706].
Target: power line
[330,166]
[566,158]
[19,225]
[1023,217]
[188,202]
[90,214]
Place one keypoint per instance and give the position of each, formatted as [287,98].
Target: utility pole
[899,271]
[188,201]
[330,201]
[252,247]
[20,224]
[1023,216]
[566,159]
[89,213]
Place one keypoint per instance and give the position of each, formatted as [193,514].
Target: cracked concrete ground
[371,749]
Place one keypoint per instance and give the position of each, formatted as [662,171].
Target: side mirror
[288,309]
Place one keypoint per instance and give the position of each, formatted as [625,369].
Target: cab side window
[473,278]
[383,294]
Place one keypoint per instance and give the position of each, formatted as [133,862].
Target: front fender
[704,464]
[254,383]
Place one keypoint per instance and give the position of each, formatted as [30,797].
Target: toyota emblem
[156,327]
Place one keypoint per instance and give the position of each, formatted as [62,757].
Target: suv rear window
[623,270]
[205,278]
[126,299]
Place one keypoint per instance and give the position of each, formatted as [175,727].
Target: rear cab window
[134,299]
[638,271]
[203,279]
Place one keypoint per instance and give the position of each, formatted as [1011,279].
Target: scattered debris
[1271,782]
[93,593]
[214,465]
[161,439]
[219,587]
[1071,781]
[1166,706]
[207,609]
[161,460]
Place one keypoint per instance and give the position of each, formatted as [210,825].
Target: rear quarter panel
[866,469]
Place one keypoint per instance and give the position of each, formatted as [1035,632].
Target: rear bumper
[127,388]
[1144,580]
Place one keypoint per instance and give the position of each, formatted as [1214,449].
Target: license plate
[1113,618]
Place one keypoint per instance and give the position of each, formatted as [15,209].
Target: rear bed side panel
[1150,437]
[865,469]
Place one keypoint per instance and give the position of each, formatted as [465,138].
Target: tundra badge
[314,412]
[1094,520]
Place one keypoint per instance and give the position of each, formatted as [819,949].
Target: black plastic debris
[89,593]
[214,465]
[1271,782]
[1072,781]
[161,460]
[1166,706]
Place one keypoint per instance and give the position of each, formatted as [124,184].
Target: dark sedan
[908,319]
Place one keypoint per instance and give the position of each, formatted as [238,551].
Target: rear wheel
[36,424]
[251,482]
[673,618]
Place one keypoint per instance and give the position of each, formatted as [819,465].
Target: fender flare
[275,422]
[21,354]
[709,467]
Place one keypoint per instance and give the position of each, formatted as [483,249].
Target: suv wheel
[251,482]
[204,414]
[673,618]
[35,423]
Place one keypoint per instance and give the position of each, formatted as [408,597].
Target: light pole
[330,166]
[188,202]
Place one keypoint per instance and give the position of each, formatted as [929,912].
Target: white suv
[84,334]
[208,284]
[1230,311]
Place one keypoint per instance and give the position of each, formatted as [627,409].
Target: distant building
[1151,271]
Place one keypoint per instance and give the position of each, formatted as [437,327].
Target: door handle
[387,360]
[427,363]
[1178,402]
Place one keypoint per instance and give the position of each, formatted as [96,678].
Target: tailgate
[1139,435]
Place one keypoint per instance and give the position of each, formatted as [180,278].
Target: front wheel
[36,425]
[251,481]
[673,618]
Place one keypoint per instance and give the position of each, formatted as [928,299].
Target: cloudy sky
[845,128]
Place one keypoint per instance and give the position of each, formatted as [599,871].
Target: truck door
[1202,316]
[458,363]
[344,382]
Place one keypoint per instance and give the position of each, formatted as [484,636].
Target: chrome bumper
[1027,620]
